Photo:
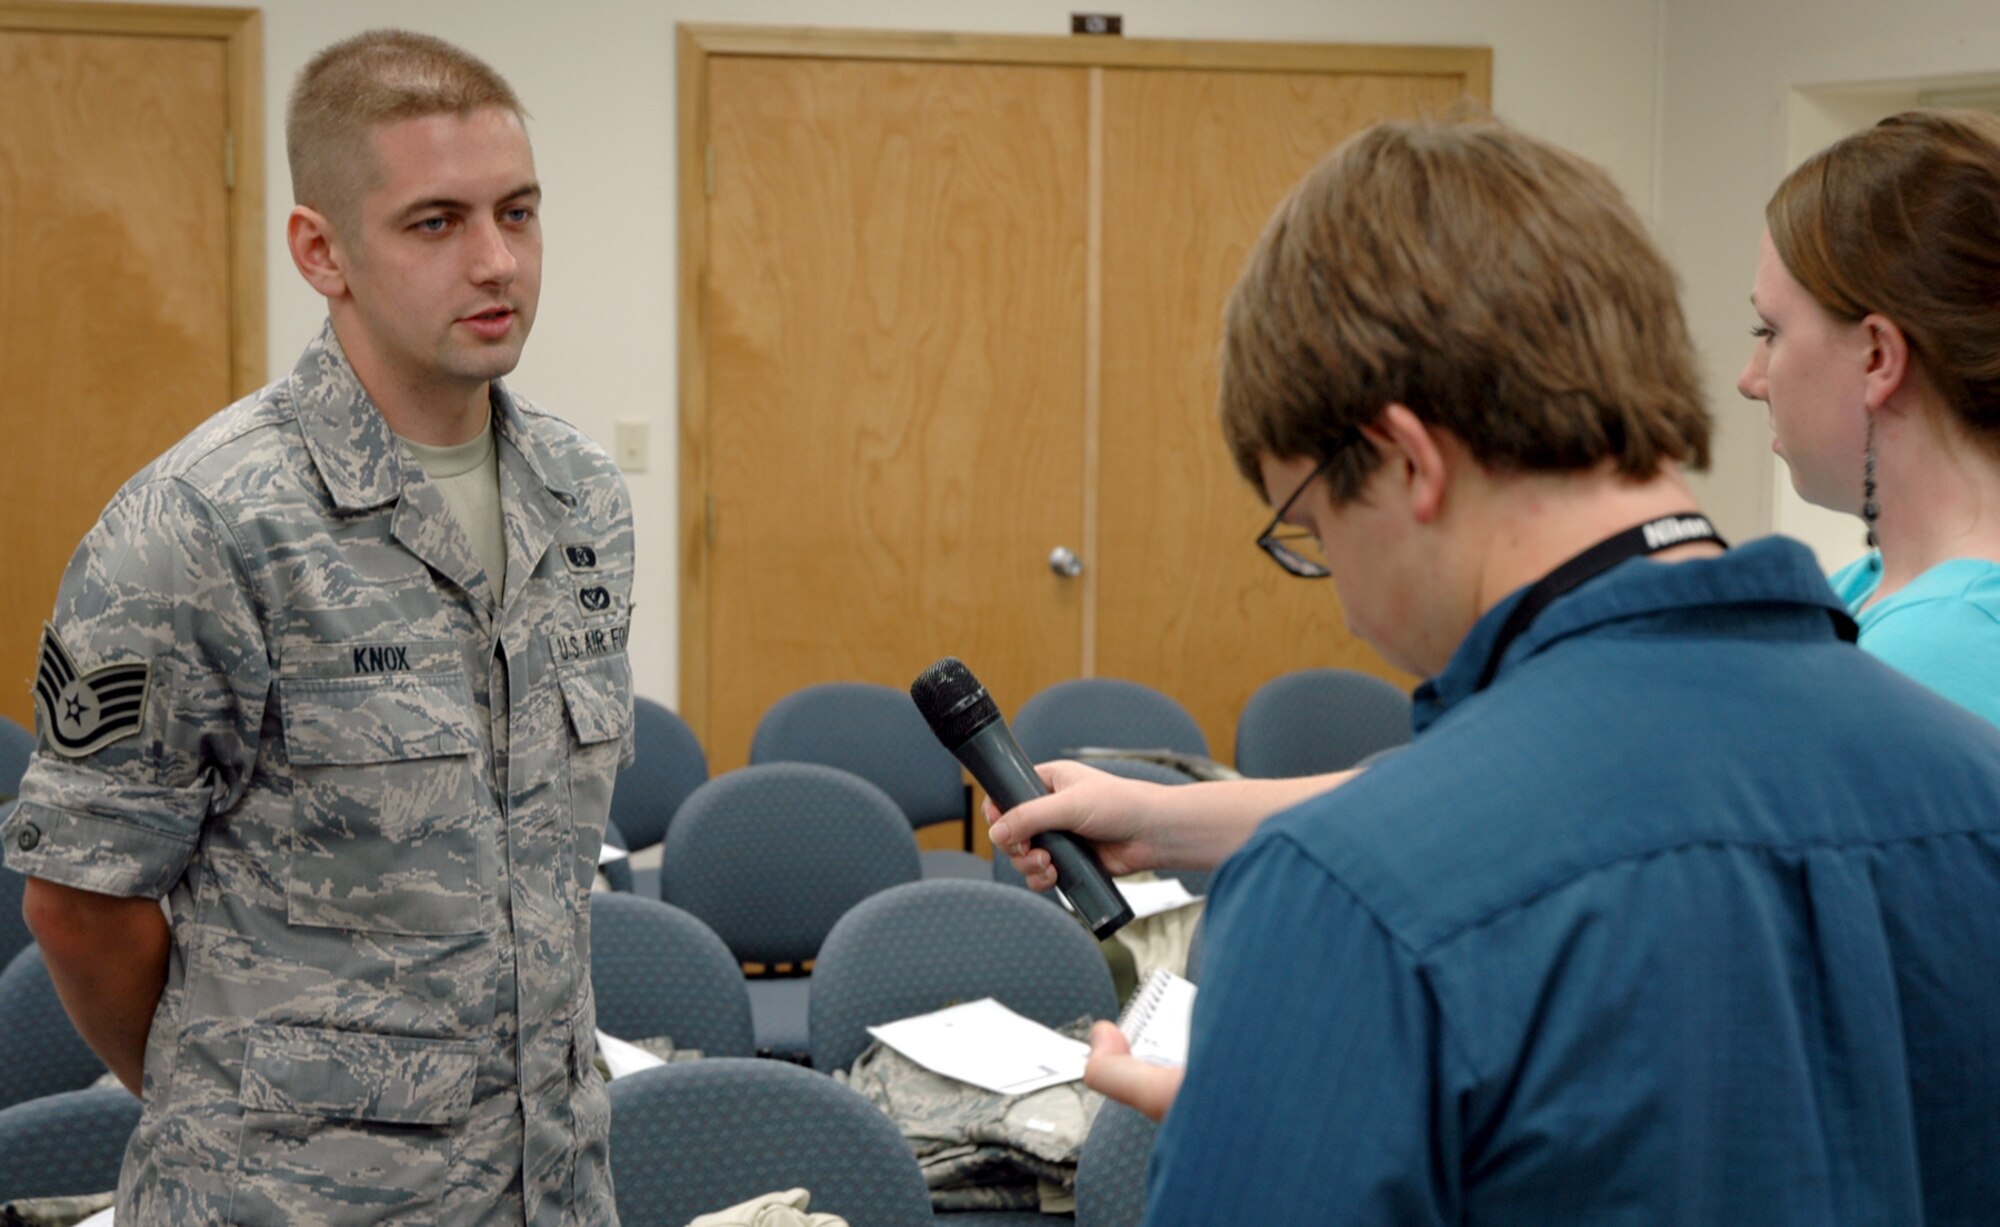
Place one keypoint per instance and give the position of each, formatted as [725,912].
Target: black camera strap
[1665,533]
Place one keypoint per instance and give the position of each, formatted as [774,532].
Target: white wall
[598,78]
[1751,88]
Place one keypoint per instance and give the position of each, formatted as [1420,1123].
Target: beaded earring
[1870,509]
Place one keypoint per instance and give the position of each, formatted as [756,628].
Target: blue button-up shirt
[1691,917]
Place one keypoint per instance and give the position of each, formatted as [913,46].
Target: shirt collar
[359,458]
[1769,571]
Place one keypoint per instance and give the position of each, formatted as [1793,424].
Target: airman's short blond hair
[360,83]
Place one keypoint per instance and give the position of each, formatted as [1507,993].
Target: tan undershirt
[468,475]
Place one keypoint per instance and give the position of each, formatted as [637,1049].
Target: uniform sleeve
[1951,646]
[150,686]
[1317,1088]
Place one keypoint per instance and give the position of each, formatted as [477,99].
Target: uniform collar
[359,458]
[1773,571]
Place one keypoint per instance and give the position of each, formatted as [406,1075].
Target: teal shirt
[1943,628]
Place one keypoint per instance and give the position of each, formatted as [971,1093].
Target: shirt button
[27,837]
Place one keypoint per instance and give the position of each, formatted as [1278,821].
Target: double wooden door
[951,307]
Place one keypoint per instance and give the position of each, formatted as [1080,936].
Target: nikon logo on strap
[1672,530]
[81,714]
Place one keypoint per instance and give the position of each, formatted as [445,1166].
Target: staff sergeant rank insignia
[82,715]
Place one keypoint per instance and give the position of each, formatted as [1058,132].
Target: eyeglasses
[1278,547]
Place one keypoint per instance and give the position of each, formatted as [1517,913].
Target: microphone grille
[952,701]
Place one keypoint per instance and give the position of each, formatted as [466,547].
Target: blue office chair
[770,857]
[656,970]
[690,1139]
[920,947]
[1319,720]
[667,765]
[40,1052]
[17,746]
[14,935]
[67,1145]
[1111,1170]
[1107,712]
[877,733]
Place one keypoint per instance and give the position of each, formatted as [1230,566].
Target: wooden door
[949,302]
[1195,164]
[894,362]
[127,312]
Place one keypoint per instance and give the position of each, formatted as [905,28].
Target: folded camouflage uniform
[981,1150]
[786,1209]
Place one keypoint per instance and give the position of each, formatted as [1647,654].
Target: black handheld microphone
[967,721]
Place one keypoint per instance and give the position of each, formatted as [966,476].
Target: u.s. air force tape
[588,643]
[81,714]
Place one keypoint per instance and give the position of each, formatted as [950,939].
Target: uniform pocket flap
[333,722]
[599,700]
[345,1075]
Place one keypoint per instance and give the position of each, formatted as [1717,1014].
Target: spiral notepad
[1156,1023]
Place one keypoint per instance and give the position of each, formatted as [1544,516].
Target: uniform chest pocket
[386,790]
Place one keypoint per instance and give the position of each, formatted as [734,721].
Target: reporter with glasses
[1678,909]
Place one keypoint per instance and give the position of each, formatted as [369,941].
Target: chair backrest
[1104,711]
[1111,1169]
[1318,720]
[693,1138]
[667,765]
[656,970]
[40,1052]
[17,745]
[927,945]
[770,856]
[873,731]
[67,1145]
[14,935]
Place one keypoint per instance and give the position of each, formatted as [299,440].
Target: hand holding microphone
[968,722]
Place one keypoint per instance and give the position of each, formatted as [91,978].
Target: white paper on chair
[988,1045]
[607,854]
[1152,898]
[622,1058]
[101,1219]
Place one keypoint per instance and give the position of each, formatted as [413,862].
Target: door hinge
[708,159]
[229,160]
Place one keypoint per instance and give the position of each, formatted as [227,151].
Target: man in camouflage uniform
[350,706]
